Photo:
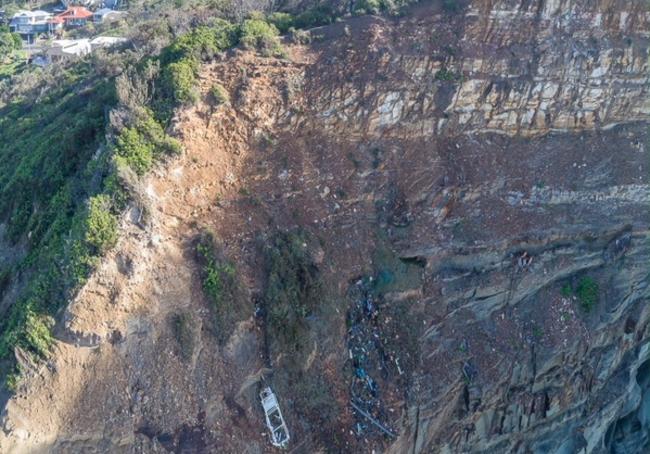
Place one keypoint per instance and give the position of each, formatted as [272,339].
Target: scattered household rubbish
[371,361]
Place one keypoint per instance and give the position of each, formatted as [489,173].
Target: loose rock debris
[374,368]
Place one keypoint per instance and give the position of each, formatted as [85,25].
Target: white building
[66,49]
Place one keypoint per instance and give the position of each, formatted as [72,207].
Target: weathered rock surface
[502,153]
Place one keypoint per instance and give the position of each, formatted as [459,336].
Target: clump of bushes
[446,75]
[101,224]
[181,77]
[38,333]
[587,292]
[137,146]
[181,61]
[258,34]
[282,21]
[221,286]
[315,17]
[9,42]
[300,36]
[368,7]
[132,149]
[219,95]
[292,290]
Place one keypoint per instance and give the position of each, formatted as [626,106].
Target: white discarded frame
[274,420]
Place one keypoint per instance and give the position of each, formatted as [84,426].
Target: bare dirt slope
[467,210]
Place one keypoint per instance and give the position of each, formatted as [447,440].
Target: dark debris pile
[374,365]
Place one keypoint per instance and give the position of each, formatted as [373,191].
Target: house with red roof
[75,16]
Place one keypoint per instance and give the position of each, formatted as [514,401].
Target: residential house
[75,16]
[67,49]
[106,15]
[34,22]
[70,49]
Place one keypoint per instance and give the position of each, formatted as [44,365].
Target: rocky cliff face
[518,68]
[486,172]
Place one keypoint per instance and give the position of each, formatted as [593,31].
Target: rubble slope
[475,171]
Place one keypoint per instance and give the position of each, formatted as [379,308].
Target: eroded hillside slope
[463,179]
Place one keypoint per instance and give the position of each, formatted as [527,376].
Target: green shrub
[300,36]
[446,74]
[587,292]
[566,291]
[222,287]
[181,77]
[38,334]
[259,34]
[154,133]
[282,21]
[219,95]
[138,146]
[134,150]
[315,17]
[202,42]
[9,42]
[12,380]
[216,276]
[101,224]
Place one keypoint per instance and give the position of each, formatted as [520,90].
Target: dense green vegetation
[9,43]
[256,33]
[221,286]
[63,186]
[47,176]
[138,146]
[181,62]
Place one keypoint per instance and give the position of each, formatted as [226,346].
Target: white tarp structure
[274,420]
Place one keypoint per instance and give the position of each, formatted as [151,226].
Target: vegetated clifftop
[478,180]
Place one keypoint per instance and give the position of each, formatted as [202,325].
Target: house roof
[75,12]
[25,13]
